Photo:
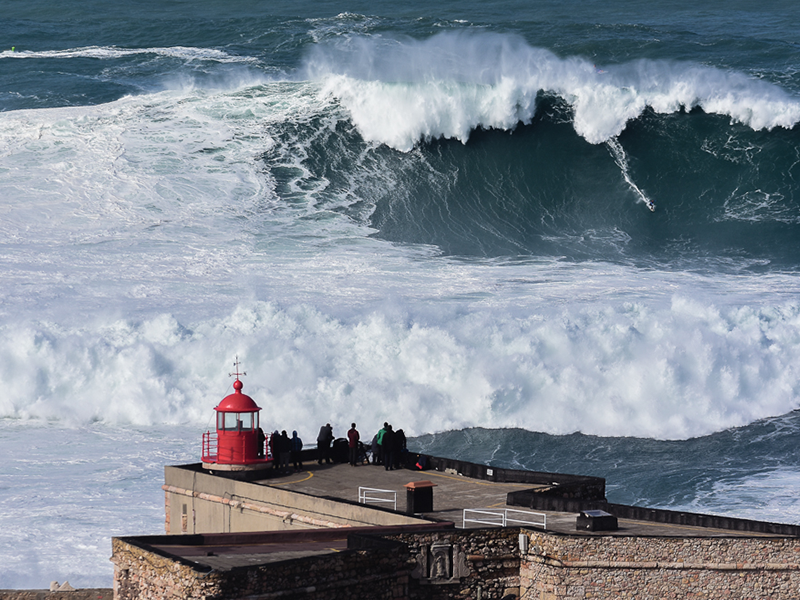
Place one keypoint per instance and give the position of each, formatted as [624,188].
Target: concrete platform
[220,551]
[454,493]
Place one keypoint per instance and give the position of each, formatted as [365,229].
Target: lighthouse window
[231,421]
[247,421]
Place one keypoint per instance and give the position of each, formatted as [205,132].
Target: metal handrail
[503,515]
[210,448]
[369,495]
[509,519]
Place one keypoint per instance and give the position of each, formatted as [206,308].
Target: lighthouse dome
[237,401]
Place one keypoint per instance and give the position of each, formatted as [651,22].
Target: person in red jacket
[353,438]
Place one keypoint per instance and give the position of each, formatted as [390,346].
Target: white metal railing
[501,517]
[375,496]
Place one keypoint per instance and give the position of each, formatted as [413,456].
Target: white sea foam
[402,91]
[767,496]
[114,52]
[613,369]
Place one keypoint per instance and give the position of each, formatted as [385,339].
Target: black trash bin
[340,451]
[419,497]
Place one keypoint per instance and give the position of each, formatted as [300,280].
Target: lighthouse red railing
[210,447]
[210,450]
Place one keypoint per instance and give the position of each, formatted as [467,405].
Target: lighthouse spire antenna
[236,372]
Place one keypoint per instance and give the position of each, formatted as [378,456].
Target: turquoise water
[560,236]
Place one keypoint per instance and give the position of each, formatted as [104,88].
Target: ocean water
[560,236]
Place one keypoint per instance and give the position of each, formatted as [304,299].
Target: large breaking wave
[401,91]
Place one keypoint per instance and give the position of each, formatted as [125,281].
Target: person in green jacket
[381,433]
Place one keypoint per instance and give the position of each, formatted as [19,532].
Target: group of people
[387,447]
[284,449]
[325,439]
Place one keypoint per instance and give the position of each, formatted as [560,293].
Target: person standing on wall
[353,438]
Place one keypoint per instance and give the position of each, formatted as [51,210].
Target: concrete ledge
[555,484]
[545,500]
[268,537]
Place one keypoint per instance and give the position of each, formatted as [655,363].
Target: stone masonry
[486,564]
[381,573]
[559,567]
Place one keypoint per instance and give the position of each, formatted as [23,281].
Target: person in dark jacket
[400,449]
[260,443]
[389,442]
[285,449]
[275,449]
[296,450]
[324,440]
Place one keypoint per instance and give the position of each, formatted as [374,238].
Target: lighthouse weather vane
[236,366]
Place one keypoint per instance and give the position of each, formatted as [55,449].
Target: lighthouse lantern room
[238,444]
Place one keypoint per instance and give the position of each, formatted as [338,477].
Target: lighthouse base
[248,467]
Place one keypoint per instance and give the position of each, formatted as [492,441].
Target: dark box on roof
[419,497]
[596,520]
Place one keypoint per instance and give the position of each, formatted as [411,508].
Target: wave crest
[402,91]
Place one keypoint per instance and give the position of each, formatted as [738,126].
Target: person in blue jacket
[296,449]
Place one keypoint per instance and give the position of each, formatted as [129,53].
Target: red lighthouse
[238,443]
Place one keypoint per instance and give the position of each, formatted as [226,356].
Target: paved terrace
[453,493]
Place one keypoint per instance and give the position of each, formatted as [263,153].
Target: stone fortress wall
[558,567]
[484,564]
